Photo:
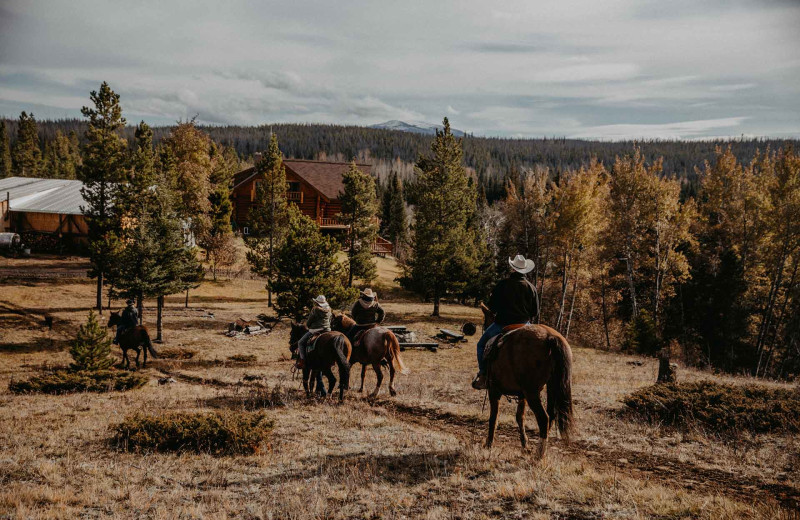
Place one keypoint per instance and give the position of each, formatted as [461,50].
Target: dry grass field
[418,455]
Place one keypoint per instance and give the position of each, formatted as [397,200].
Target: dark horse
[136,339]
[376,344]
[530,358]
[331,348]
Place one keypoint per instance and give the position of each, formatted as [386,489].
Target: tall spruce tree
[359,208]
[104,166]
[192,168]
[443,258]
[306,265]
[27,155]
[5,151]
[269,217]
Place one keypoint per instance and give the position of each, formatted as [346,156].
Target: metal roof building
[46,210]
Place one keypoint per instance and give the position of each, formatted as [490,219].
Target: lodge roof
[323,176]
[31,195]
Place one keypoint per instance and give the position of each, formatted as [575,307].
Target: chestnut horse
[530,358]
[375,345]
[135,338]
[330,348]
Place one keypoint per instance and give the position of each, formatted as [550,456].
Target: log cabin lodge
[314,186]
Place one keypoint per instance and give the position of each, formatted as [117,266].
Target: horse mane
[350,321]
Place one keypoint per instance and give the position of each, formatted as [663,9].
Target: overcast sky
[578,68]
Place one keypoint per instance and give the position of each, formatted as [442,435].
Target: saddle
[493,345]
[357,331]
[312,341]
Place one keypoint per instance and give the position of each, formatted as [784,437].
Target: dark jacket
[513,301]
[364,316]
[319,319]
[130,317]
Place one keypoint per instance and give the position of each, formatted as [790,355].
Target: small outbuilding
[46,213]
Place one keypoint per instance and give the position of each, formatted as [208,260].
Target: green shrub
[641,335]
[91,349]
[719,408]
[218,433]
[69,381]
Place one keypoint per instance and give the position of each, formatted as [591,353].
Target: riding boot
[480,382]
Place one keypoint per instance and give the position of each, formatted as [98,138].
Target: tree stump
[667,372]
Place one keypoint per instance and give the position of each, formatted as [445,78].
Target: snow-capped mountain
[415,127]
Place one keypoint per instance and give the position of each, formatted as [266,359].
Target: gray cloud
[583,68]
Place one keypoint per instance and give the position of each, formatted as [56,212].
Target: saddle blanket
[494,344]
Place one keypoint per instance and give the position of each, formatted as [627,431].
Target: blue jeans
[491,331]
[301,345]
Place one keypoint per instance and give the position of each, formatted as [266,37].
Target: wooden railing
[294,196]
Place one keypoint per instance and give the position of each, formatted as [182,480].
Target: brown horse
[375,345]
[331,348]
[136,339]
[530,358]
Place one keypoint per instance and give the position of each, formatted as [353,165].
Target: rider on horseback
[366,310]
[130,319]
[513,302]
[319,320]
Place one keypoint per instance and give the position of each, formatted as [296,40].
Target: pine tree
[219,197]
[359,208]
[27,154]
[306,265]
[5,152]
[191,149]
[179,268]
[61,157]
[91,349]
[442,257]
[269,217]
[397,229]
[104,166]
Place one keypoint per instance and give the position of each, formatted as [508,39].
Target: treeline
[492,160]
[147,204]
[623,258]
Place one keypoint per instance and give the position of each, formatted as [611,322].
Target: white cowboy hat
[521,265]
[320,300]
[368,293]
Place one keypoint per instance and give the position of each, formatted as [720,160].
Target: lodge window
[294,186]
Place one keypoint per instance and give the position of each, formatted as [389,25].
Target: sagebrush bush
[718,408]
[176,353]
[243,358]
[71,381]
[217,433]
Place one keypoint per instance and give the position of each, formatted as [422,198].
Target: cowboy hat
[367,293]
[320,300]
[521,265]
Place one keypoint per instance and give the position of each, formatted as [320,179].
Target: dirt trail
[642,466]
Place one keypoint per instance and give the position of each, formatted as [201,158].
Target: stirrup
[480,382]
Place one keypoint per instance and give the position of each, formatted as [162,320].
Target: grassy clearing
[217,433]
[362,459]
[176,353]
[67,381]
[719,408]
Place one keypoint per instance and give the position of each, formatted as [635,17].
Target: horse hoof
[393,392]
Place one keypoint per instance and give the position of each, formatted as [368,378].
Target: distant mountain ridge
[414,127]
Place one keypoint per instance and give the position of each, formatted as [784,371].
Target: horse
[135,338]
[331,348]
[376,344]
[530,358]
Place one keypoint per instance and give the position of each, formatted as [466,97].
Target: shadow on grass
[36,345]
[408,470]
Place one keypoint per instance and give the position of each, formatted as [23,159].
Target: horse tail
[559,387]
[390,342]
[147,343]
[340,347]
